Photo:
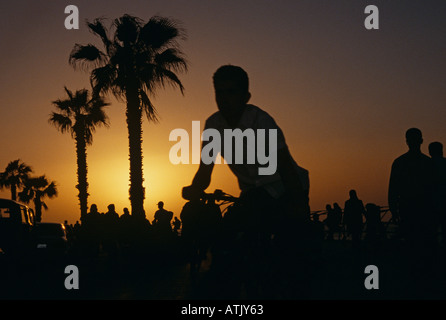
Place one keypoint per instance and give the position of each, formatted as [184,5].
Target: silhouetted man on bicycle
[289,184]
[276,203]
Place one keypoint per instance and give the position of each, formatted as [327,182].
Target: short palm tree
[36,189]
[14,176]
[80,115]
[139,58]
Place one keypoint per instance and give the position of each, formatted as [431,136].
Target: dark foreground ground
[337,272]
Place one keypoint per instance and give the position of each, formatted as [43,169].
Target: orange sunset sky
[343,95]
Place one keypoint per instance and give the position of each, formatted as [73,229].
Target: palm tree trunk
[134,121]
[82,185]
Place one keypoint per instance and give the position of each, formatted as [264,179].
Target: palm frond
[147,76]
[127,28]
[97,115]
[98,28]
[51,190]
[69,93]
[26,195]
[88,136]
[79,101]
[161,31]
[39,182]
[165,76]
[148,107]
[16,173]
[102,79]
[24,168]
[86,56]
[171,59]
[63,105]
[62,122]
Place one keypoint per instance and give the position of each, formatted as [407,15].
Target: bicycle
[242,255]
[201,223]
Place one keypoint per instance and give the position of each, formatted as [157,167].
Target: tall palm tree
[80,115]
[36,189]
[14,176]
[138,59]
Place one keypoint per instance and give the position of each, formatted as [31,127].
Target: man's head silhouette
[231,84]
[436,149]
[414,139]
[352,194]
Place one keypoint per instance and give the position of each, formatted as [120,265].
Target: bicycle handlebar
[189,193]
[219,195]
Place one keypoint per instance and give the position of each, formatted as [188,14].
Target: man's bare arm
[202,178]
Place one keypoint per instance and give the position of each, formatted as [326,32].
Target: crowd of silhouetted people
[416,215]
[113,235]
[356,222]
[200,220]
[417,204]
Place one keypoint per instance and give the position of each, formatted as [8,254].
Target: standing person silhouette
[410,191]
[279,197]
[337,213]
[330,222]
[411,188]
[110,231]
[163,219]
[439,163]
[353,213]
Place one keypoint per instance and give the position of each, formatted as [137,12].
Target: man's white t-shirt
[248,174]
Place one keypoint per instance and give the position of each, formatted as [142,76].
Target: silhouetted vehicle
[16,224]
[50,238]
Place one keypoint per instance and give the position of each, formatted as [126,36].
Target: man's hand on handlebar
[192,193]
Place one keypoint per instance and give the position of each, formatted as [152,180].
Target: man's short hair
[232,73]
[414,133]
